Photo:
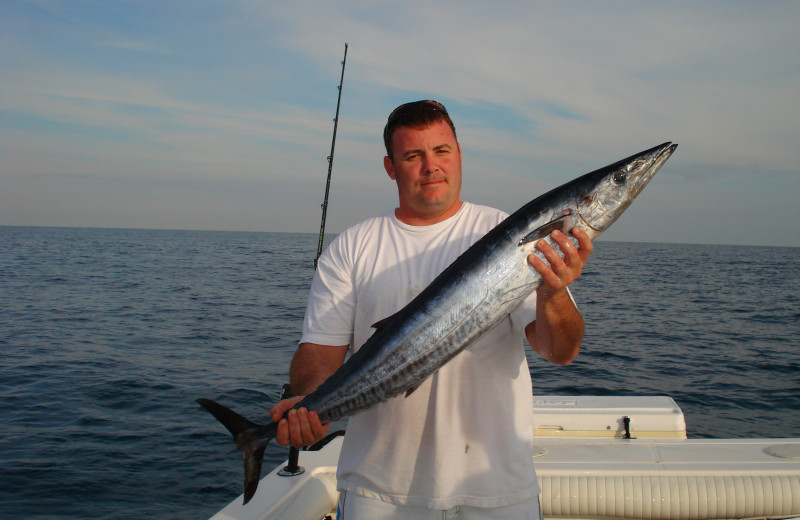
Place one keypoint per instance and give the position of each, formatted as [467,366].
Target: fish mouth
[668,150]
[661,158]
[662,153]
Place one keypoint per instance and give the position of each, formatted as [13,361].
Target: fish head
[603,195]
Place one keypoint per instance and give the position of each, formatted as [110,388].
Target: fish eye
[619,177]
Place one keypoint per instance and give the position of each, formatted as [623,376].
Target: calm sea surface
[107,337]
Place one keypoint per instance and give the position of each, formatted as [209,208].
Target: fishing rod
[330,164]
[292,467]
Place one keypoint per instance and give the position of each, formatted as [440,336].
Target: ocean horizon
[329,235]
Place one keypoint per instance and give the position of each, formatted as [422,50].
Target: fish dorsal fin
[378,325]
[560,223]
[412,389]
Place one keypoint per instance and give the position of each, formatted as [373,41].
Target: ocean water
[108,336]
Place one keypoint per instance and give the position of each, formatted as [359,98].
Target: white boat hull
[587,469]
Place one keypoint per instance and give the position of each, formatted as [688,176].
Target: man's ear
[389,167]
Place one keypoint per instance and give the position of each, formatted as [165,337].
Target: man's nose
[429,163]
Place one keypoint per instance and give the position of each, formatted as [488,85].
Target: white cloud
[540,92]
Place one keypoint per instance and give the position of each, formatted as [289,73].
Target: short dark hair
[417,114]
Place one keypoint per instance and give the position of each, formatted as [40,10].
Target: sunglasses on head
[403,110]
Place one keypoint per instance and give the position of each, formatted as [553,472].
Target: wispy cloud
[216,102]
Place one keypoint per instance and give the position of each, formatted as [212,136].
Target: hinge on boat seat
[292,468]
[626,421]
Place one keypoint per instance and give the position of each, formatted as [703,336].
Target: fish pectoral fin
[561,223]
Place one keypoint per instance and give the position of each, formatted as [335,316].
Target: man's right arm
[311,365]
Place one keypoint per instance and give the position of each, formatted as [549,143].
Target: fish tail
[251,441]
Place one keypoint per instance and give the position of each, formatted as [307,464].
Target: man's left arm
[558,329]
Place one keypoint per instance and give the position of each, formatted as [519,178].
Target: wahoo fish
[478,290]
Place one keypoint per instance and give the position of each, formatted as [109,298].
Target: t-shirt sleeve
[331,303]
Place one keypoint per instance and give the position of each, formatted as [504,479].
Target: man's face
[427,169]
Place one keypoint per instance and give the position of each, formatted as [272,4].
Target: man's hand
[562,271]
[299,427]
[311,365]
[558,328]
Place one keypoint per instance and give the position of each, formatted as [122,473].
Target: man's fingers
[300,428]
[306,433]
[282,437]
[551,275]
[584,243]
[293,427]
[319,430]
[561,271]
[277,412]
[550,279]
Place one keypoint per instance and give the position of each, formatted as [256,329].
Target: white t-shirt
[464,436]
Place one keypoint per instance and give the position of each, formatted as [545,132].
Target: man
[460,444]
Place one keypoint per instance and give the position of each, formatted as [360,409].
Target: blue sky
[218,115]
